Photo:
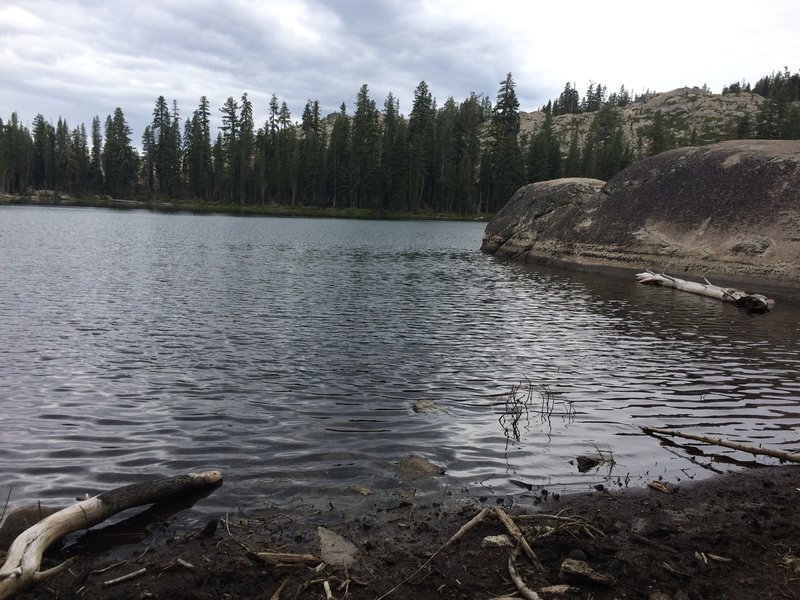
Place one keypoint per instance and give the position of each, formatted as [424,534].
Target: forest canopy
[461,157]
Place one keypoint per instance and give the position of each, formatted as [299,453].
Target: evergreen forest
[461,158]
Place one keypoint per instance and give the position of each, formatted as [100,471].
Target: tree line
[461,157]
[373,159]
[779,117]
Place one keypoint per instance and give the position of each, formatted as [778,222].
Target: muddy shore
[734,536]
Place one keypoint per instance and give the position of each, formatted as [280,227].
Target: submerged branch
[795,458]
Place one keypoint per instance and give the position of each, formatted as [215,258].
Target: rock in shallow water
[412,466]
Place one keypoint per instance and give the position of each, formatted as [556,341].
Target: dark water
[288,353]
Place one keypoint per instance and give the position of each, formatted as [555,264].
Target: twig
[288,558]
[5,506]
[523,589]
[466,527]
[567,522]
[277,594]
[141,571]
[515,531]
[119,564]
[457,535]
[328,593]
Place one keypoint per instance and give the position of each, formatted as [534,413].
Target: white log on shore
[754,302]
[24,559]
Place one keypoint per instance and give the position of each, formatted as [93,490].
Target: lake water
[289,354]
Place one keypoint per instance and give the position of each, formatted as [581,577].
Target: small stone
[560,589]
[497,541]
[578,569]
[210,529]
[360,490]
[20,519]
[587,462]
[577,554]
[334,549]
[425,406]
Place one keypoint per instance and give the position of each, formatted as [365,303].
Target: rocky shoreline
[733,536]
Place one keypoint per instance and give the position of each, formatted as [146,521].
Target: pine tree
[245,151]
[420,147]
[62,151]
[658,134]
[197,148]
[149,150]
[120,161]
[568,102]
[394,156]
[544,153]
[230,144]
[17,151]
[286,156]
[507,167]
[446,158]
[219,171]
[163,153]
[467,139]
[312,156]
[80,154]
[605,152]
[572,164]
[96,184]
[267,152]
[338,159]
[174,154]
[43,154]
[365,153]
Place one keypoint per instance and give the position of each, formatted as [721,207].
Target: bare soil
[736,536]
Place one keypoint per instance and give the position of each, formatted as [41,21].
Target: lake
[291,353]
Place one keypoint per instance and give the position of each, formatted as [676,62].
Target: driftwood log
[785,456]
[21,568]
[752,302]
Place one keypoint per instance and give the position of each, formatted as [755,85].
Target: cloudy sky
[78,59]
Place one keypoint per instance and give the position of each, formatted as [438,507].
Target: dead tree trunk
[753,302]
[21,568]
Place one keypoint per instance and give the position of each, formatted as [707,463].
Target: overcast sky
[84,58]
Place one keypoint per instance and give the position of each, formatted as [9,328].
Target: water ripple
[289,354]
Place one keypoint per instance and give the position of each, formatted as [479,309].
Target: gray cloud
[85,58]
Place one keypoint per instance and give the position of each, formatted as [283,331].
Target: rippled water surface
[289,353]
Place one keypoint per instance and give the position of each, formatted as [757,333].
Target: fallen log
[752,302]
[24,559]
[795,458]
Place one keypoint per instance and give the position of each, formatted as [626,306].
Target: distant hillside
[689,116]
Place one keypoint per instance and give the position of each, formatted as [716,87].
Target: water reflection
[288,353]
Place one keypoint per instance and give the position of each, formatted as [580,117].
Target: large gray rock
[731,208]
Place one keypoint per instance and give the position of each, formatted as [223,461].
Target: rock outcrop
[731,208]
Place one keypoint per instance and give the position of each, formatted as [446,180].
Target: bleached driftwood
[795,458]
[21,568]
[519,583]
[753,302]
[515,531]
